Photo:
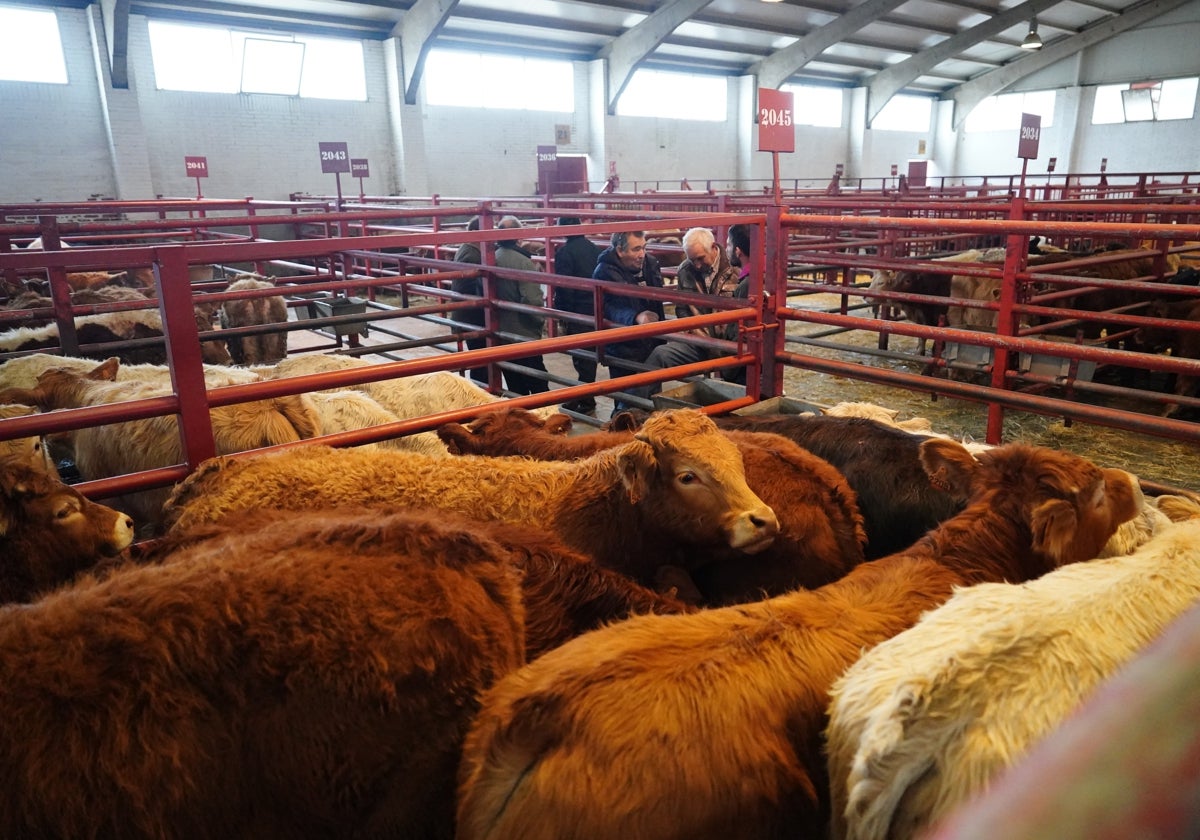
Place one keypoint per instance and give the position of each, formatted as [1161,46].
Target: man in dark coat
[577,257]
[468,252]
[626,261]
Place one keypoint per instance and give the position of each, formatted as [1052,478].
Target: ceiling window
[489,80]
[905,113]
[30,46]
[816,105]
[216,60]
[1003,113]
[674,96]
[1170,99]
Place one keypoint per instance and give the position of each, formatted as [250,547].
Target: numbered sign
[335,157]
[776,127]
[1031,133]
[359,168]
[197,167]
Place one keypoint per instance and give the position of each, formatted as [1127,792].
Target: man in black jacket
[626,261]
[577,257]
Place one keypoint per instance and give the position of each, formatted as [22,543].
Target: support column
[127,146]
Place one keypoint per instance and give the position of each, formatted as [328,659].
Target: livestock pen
[807,312]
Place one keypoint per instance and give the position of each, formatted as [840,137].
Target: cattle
[108,327]
[680,482]
[925,720]
[349,410]
[29,451]
[257,311]
[934,284]
[23,371]
[1182,343]
[882,465]
[86,297]
[287,676]
[1124,765]
[820,536]
[709,725]
[49,532]
[136,445]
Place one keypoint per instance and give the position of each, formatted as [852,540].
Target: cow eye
[688,477]
[64,510]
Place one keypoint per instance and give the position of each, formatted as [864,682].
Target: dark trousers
[523,383]
[478,375]
[585,369]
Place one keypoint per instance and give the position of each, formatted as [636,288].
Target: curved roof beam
[779,66]
[629,49]
[969,94]
[115,14]
[416,30]
[888,82]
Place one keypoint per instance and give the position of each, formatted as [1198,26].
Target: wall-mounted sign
[335,157]
[562,135]
[776,125]
[1050,164]
[895,169]
[196,166]
[1031,133]
[360,168]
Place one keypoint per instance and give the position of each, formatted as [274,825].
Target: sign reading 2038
[335,157]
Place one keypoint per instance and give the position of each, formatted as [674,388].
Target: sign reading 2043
[335,157]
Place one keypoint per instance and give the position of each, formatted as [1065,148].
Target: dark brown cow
[880,462]
[820,528]
[709,725]
[49,532]
[291,676]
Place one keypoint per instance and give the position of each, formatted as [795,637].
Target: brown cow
[263,349]
[820,537]
[49,532]
[709,725]
[680,482]
[287,676]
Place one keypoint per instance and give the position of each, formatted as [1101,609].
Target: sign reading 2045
[335,157]
[775,121]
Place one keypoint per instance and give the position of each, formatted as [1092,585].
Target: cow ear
[1053,524]
[636,465]
[453,434]
[623,421]
[558,424]
[949,465]
[106,371]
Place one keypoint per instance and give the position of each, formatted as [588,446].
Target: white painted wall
[67,142]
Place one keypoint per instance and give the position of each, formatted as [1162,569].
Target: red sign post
[360,168]
[196,167]
[335,158]
[776,128]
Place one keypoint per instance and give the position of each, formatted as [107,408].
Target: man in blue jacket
[626,261]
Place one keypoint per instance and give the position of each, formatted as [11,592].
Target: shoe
[587,405]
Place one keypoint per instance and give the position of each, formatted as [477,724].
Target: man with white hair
[707,270]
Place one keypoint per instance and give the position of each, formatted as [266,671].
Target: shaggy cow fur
[286,677]
[882,465]
[681,481]
[925,720]
[709,725]
[123,448]
[820,528]
[264,349]
[49,532]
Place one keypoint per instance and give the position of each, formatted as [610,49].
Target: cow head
[692,475]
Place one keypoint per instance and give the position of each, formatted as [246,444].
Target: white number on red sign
[339,155]
[1029,132]
[774,116]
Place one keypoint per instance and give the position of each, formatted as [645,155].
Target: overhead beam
[115,14]
[417,30]
[888,82]
[969,94]
[624,54]
[778,67]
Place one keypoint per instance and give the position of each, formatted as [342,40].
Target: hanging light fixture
[1032,41]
